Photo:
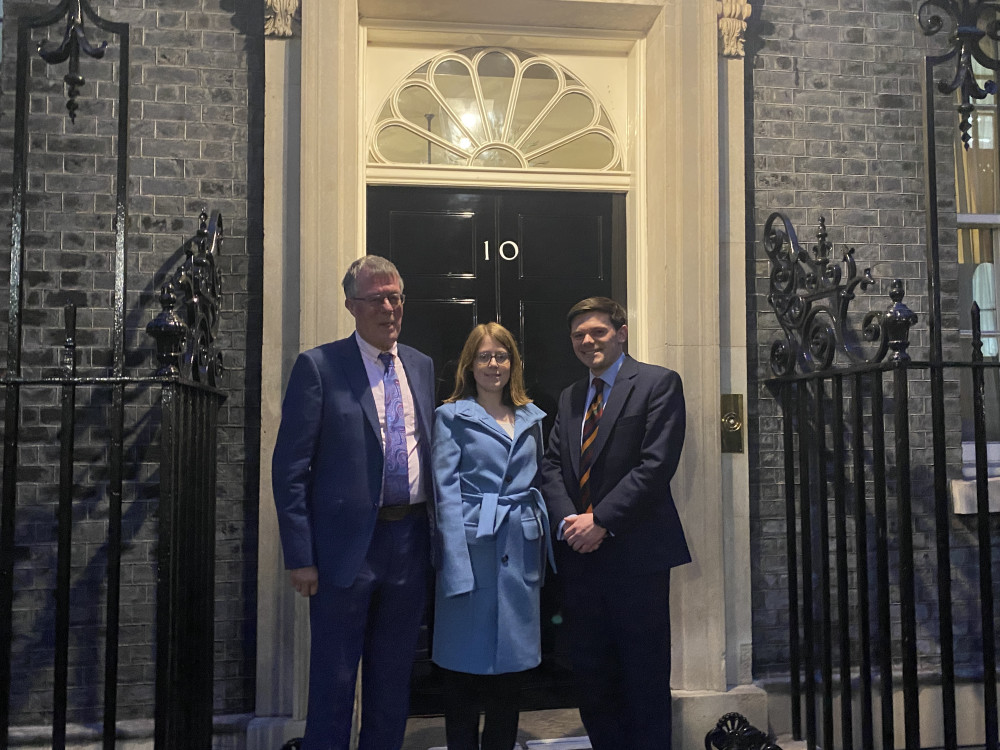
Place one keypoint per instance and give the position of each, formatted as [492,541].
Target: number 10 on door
[508,250]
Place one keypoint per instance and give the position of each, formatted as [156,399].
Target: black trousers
[619,630]
[465,695]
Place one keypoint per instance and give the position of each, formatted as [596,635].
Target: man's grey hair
[370,265]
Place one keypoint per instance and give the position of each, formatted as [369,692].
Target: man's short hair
[370,265]
[599,305]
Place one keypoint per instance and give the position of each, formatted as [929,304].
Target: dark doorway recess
[522,258]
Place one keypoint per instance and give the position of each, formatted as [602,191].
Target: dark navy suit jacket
[637,450]
[327,464]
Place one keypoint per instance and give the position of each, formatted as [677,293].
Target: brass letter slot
[732,422]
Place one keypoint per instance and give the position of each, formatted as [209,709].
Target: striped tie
[590,424]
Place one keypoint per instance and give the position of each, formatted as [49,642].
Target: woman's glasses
[483,358]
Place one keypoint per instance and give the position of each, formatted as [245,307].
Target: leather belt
[399,512]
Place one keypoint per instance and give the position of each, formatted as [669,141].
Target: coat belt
[494,508]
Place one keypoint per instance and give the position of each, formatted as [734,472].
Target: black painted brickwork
[835,129]
[195,142]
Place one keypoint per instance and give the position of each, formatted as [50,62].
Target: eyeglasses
[483,358]
[378,300]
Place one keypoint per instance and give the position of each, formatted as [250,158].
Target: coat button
[508,479]
[504,559]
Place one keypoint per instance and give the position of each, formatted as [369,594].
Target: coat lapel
[470,410]
[525,419]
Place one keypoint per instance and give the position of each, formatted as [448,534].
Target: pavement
[556,729]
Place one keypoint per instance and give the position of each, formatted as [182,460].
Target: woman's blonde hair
[514,393]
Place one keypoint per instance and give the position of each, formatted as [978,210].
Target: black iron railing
[183,412]
[188,406]
[839,478]
[851,504]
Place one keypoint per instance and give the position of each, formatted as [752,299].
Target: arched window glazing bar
[494,107]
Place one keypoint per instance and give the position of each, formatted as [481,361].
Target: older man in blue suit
[353,490]
[612,452]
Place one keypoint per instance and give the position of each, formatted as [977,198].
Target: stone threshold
[228,732]
[563,743]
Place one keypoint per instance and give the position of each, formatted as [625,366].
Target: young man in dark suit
[353,490]
[612,452]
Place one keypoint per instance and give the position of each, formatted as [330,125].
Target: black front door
[521,258]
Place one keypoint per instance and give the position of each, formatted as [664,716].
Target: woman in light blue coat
[493,533]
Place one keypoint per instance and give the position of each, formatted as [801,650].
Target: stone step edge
[563,743]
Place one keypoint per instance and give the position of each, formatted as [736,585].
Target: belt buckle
[395,512]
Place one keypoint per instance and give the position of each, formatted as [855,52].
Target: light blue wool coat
[493,533]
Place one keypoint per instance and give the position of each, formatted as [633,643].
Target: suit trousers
[375,620]
[619,633]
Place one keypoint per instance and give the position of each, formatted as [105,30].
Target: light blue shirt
[608,376]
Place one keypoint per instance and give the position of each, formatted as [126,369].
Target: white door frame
[686,291]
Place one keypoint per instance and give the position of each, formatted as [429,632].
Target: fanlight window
[492,107]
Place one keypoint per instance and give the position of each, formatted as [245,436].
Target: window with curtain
[978,196]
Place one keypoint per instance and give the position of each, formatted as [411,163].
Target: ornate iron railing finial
[74,40]
[970,21]
[898,321]
[735,732]
[812,304]
[186,328]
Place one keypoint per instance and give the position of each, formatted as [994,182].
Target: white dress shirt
[375,370]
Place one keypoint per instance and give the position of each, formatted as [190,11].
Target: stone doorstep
[787,743]
[228,730]
[563,743]
[582,743]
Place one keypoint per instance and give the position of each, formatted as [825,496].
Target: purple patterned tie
[396,481]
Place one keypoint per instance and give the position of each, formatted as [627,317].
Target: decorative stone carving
[280,13]
[733,15]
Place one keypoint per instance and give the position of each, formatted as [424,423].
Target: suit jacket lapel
[413,379]
[575,426]
[357,377]
[614,402]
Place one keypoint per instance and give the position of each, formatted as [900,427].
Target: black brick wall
[836,129]
[195,142]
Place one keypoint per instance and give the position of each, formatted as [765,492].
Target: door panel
[565,255]
[434,238]
[444,326]
[436,243]
[522,258]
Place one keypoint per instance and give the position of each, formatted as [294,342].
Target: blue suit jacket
[327,465]
[637,450]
